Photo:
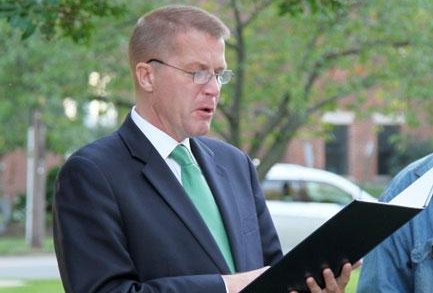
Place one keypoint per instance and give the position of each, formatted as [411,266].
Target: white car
[300,199]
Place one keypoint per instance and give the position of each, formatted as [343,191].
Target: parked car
[300,199]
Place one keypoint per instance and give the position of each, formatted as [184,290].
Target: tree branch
[294,121]
[287,131]
[238,20]
[220,131]
[257,9]
[363,83]
[224,110]
[323,103]
[271,123]
[233,109]
[319,32]
[333,55]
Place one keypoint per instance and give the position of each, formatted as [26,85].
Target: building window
[387,148]
[336,150]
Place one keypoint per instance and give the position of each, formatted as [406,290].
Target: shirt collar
[160,140]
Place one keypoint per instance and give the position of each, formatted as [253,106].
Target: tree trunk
[36,177]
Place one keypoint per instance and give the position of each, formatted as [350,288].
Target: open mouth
[207,109]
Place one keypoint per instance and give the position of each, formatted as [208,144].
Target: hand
[235,283]
[333,285]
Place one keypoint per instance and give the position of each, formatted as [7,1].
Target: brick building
[14,171]
[359,148]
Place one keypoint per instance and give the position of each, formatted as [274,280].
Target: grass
[14,245]
[351,287]
[37,286]
[55,286]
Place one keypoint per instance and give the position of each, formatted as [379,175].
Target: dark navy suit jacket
[123,223]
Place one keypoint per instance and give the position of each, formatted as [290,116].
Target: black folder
[346,237]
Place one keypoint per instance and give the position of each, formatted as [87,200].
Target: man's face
[178,106]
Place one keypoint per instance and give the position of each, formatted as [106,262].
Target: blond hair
[156,31]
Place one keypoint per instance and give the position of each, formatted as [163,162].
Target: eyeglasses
[201,76]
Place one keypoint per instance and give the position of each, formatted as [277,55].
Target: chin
[200,131]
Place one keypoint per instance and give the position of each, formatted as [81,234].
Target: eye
[202,73]
[202,76]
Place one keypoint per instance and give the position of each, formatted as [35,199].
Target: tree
[50,70]
[40,75]
[285,77]
[287,56]
[67,18]
[40,80]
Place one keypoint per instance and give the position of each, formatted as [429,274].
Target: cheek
[179,100]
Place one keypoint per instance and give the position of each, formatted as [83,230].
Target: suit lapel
[161,177]
[220,184]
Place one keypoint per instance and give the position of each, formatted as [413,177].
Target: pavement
[15,270]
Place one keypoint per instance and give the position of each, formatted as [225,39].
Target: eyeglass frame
[209,75]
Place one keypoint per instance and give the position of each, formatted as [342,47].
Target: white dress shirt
[161,141]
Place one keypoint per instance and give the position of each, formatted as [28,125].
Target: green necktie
[196,187]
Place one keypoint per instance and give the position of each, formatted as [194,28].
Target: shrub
[409,150]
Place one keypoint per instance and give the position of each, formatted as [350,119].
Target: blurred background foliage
[293,59]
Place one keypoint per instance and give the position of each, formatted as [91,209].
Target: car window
[274,189]
[323,192]
[304,191]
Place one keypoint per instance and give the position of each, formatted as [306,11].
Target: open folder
[346,237]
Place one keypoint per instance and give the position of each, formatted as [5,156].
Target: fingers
[333,285]
[357,264]
[312,285]
[345,276]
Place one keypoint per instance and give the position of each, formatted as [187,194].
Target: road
[28,267]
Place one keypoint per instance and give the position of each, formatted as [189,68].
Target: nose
[213,87]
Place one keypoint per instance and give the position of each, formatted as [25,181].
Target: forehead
[199,48]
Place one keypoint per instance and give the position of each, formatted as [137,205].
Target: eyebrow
[202,66]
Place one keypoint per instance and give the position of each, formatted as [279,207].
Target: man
[403,263]
[127,214]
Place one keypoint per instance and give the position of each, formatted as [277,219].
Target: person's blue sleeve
[387,268]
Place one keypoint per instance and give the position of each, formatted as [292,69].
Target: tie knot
[181,155]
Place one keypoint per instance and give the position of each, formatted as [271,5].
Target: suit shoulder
[100,149]
[219,146]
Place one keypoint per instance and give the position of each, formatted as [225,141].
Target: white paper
[418,194]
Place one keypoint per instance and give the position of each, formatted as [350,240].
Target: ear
[144,76]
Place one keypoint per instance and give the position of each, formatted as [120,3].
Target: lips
[206,108]
[206,111]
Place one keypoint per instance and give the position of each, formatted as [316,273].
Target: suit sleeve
[90,243]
